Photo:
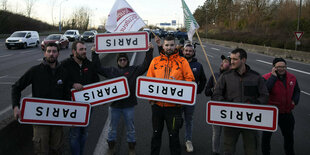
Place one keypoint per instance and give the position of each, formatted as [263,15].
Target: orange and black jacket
[173,67]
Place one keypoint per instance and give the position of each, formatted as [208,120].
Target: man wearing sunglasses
[284,93]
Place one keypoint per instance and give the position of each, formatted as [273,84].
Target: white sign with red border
[165,90]
[240,115]
[122,42]
[298,35]
[54,112]
[103,92]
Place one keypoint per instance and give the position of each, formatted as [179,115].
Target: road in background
[15,62]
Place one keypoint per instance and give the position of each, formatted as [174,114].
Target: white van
[72,35]
[23,39]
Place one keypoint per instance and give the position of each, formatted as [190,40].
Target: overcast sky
[154,11]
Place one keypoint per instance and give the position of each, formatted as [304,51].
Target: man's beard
[188,57]
[51,60]
[169,52]
[80,57]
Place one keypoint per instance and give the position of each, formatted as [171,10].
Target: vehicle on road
[59,39]
[88,36]
[72,35]
[23,39]
[181,35]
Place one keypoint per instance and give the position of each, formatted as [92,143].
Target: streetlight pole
[299,13]
[60,14]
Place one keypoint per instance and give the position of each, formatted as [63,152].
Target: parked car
[181,35]
[72,35]
[23,39]
[59,39]
[88,36]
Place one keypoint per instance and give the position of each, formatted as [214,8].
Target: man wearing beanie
[284,93]
[125,106]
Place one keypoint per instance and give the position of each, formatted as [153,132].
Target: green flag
[189,21]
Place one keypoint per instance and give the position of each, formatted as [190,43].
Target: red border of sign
[240,105]
[51,101]
[123,49]
[123,79]
[298,38]
[181,83]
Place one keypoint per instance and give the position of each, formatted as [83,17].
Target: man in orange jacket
[169,65]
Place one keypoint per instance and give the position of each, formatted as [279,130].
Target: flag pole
[205,53]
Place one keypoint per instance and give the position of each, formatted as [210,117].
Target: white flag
[189,21]
[123,18]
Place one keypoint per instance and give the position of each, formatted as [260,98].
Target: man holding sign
[169,65]
[243,85]
[49,80]
[125,106]
[82,72]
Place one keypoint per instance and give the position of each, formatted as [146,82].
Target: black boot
[132,150]
[111,145]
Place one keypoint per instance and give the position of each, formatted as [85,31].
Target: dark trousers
[173,118]
[286,123]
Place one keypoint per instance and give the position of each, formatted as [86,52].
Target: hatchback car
[59,39]
[72,35]
[88,36]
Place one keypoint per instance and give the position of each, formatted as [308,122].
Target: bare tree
[53,3]
[29,6]
[80,19]
[4,4]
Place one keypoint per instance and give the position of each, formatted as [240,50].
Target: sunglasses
[122,59]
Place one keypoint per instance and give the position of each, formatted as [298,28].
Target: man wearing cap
[217,130]
[284,93]
[200,79]
[240,84]
[125,106]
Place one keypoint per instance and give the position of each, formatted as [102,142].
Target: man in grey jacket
[241,84]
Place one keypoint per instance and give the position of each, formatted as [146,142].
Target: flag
[189,21]
[123,18]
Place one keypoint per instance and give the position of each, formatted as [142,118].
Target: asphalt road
[15,62]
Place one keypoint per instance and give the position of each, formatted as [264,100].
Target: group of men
[236,82]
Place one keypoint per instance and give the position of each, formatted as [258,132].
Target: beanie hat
[276,60]
[121,55]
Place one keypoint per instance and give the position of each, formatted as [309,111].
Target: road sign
[103,92]
[298,35]
[173,91]
[240,115]
[54,112]
[122,42]
[174,22]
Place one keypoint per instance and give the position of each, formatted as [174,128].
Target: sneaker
[189,146]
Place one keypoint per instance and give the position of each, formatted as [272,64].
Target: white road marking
[215,49]
[40,59]
[2,56]
[5,110]
[3,76]
[6,83]
[305,93]
[26,52]
[289,68]
[210,56]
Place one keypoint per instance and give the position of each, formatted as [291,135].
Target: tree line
[262,22]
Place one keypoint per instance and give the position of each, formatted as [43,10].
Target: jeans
[250,140]
[188,116]
[216,138]
[78,137]
[128,115]
[286,123]
[174,121]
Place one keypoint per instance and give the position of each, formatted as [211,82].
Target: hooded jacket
[130,72]
[46,83]
[173,67]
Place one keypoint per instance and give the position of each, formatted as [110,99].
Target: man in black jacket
[200,79]
[125,106]
[81,72]
[49,80]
